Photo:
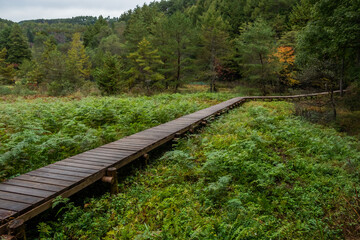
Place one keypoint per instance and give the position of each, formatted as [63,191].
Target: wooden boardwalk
[25,196]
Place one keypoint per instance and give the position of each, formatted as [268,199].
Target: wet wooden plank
[135,149]
[77,172]
[94,159]
[41,186]
[85,162]
[111,152]
[138,139]
[63,163]
[5,214]
[63,172]
[25,191]
[106,154]
[97,156]
[123,147]
[159,130]
[146,137]
[55,176]
[19,198]
[130,145]
[151,132]
[57,182]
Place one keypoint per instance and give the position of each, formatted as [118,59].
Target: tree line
[273,45]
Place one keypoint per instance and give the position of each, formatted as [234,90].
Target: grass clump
[256,173]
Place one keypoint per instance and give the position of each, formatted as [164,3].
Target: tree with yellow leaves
[77,64]
[145,64]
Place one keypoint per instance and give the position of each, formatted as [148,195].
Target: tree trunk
[332,101]
[341,83]
[263,85]
[212,83]
[178,70]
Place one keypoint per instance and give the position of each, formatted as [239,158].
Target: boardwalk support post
[111,178]
[146,157]
[177,137]
[192,130]
[16,230]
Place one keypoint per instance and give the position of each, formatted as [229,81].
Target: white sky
[18,10]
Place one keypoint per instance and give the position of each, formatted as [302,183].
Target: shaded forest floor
[320,111]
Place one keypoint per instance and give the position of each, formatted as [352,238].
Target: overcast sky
[17,10]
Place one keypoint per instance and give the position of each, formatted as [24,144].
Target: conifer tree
[77,63]
[256,46]
[4,37]
[53,68]
[140,25]
[215,44]
[18,46]
[174,34]
[94,33]
[109,75]
[145,63]
[7,72]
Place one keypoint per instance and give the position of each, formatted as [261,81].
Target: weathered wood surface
[27,195]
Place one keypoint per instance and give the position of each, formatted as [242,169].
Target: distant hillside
[5,23]
[82,20]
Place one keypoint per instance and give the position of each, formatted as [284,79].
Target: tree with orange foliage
[286,59]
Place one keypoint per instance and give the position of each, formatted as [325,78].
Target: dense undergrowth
[37,132]
[256,173]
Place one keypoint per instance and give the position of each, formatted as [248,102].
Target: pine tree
[7,72]
[139,26]
[5,38]
[174,34]
[94,33]
[215,44]
[145,64]
[53,68]
[18,46]
[109,75]
[180,44]
[256,46]
[77,63]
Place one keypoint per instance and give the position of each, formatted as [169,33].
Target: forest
[265,170]
[272,45]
